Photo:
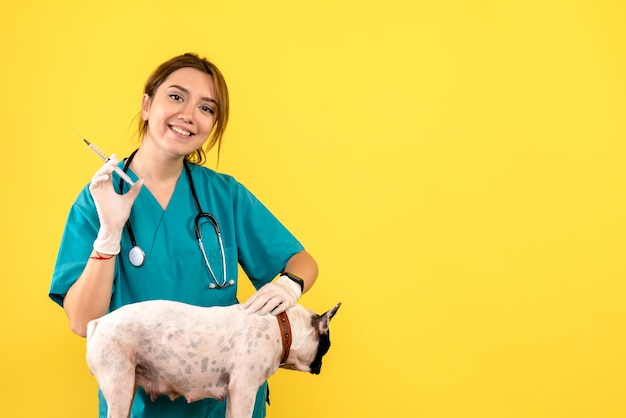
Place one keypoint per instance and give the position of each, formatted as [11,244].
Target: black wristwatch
[294,278]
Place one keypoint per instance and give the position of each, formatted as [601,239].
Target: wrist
[291,286]
[294,279]
[108,241]
[98,256]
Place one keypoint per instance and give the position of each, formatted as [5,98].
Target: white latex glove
[274,297]
[113,209]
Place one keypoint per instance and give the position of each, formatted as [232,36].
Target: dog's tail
[91,327]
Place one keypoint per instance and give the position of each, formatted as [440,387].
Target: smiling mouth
[180,131]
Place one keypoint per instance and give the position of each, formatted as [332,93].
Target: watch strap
[295,279]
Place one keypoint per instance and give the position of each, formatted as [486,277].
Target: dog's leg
[119,392]
[116,379]
[240,402]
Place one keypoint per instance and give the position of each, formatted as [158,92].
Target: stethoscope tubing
[196,227]
[137,256]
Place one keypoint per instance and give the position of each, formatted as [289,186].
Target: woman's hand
[113,209]
[274,297]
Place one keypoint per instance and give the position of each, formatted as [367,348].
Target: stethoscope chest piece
[136,256]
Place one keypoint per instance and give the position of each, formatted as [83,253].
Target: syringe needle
[105,158]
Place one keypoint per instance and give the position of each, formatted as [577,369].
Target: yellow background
[456,168]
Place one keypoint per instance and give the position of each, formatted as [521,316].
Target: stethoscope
[137,256]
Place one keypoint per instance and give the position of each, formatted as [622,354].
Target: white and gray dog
[177,349]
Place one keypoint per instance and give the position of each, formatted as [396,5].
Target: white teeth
[181,131]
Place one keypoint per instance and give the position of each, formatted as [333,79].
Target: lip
[181,131]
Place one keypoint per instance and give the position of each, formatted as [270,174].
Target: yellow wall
[456,167]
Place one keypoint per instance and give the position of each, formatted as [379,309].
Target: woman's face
[181,114]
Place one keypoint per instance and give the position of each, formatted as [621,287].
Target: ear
[324,319]
[145,106]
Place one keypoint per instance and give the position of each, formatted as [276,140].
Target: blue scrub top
[174,268]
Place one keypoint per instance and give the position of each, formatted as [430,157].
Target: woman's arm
[278,296]
[90,296]
[304,266]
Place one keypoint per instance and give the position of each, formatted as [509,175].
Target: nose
[186,114]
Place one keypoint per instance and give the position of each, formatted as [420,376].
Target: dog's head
[311,338]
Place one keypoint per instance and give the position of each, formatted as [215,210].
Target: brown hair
[190,60]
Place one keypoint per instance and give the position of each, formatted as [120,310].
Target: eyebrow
[184,90]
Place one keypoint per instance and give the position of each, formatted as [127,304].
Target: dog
[177,349]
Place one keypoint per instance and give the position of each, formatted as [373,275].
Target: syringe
[105,158]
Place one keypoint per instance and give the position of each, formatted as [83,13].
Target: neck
[156,167]
[159,171]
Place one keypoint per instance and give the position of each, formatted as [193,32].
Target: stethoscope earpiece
[231,282]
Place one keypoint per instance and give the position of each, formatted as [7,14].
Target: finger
[258,294]
[132,194]
[275,305]
[282,307]
[98,179]
[265,305]
[246,304]
[255,305]
[269,306]
[105,170]
[250,301]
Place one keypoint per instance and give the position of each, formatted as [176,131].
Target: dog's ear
[324,319]
[320,322]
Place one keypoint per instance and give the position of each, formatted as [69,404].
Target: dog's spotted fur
[177,349]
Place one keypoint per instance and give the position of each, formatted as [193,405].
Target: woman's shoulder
[213,178]
[84,198]
[209,173]
[83,207]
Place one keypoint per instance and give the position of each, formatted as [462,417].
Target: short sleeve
[76,245]
[264,243]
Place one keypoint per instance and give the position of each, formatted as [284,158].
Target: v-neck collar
[179,184]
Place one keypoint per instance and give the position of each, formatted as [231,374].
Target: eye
[175,97]
[207,109]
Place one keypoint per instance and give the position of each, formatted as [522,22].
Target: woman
[184,108]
